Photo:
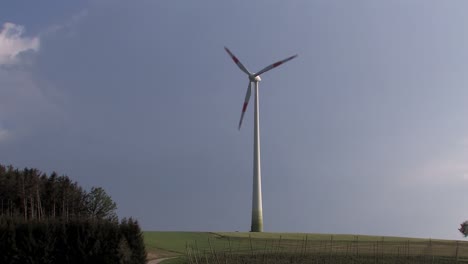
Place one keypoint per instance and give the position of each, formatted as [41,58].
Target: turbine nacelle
[254,78]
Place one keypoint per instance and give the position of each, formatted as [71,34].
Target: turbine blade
[246,102]
[274,65]
[236,61]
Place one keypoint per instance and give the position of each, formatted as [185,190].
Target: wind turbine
[257,213]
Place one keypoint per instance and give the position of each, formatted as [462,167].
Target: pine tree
[132,233]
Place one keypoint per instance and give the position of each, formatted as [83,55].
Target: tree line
[75,241]
[47,219]
[33,195]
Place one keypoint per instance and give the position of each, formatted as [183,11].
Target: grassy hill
[170,244]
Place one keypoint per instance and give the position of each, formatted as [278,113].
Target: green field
[234,247]
[169,244]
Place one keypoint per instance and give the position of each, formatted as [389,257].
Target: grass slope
[170,244]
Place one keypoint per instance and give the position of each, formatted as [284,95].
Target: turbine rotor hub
[254,78]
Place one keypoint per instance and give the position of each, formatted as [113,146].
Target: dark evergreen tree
[132,234]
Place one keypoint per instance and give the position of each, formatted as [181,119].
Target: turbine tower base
[257,222]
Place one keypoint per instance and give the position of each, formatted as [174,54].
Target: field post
[305,246]
[375,252]
[430,249]
[382,247]
[432,254]
[279,244]
[407,249]
[331,249]
[251,247]
[357,246]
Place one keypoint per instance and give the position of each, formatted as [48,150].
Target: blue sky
[364,133]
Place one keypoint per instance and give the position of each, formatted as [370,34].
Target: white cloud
[12,43]
[26,101]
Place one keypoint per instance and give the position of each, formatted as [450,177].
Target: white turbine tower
[257,214]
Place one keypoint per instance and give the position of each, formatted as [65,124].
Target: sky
[365,132]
